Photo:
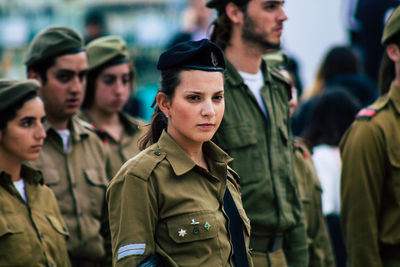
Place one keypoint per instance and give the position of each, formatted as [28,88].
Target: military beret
[392,26]
[220,4]
[106,51]
[198,55]
[53,41]
[13,91]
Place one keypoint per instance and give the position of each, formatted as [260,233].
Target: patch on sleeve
[131,249]
[366,113]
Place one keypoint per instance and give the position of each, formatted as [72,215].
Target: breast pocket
[14,242]
[95,194]
[192,227]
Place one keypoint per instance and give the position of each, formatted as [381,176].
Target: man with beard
[255,129]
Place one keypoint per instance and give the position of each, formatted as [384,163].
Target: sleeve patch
[366,113]
[131,249]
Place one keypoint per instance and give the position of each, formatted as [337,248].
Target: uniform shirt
[319,244]
[162,202]
[32,233]
[79,180]
[370,183]
[263,155]
[127,146]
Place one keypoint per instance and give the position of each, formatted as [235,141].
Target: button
[74,185]
[157,153]
[42,235]
[65,229]
[196,231]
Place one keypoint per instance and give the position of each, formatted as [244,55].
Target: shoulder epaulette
[276,74]
[144,163]
[372,110]
[235,176]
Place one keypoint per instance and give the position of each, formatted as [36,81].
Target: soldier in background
[370,195]
[73,159]
[255,129]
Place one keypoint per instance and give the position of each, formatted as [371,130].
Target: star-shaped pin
[182,232]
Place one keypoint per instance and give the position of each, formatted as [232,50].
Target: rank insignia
[182,232]
[194,222]
[207,226]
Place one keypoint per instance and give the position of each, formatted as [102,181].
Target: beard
[249,35]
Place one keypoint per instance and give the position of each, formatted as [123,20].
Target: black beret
[13,91]
[53,41]
[197,55]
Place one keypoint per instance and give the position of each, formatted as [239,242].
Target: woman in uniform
[109,81]
[370,181]
[32,231]
[178,201]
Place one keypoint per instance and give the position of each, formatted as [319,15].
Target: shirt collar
[233,77]
[75,126]
[180,162]
[29,175]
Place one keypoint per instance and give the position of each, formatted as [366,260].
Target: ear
[163,103]
[234,13]
[34,75]
[393,52]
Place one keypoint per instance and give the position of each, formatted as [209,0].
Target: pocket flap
[9,228]
[237,136]
[55,222]
[95,178]
[50,176]
[192,227]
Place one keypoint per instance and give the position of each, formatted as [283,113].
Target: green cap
[53,41]
[106,51]
[220,4]
[392,26]
[13,91]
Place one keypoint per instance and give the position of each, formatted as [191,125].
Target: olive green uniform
[32,233]
[79,180]
[319,244]
[263,157]
[127,146]
[162,202]
[370,184]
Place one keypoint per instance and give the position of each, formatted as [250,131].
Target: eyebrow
[26,118]
[72,71]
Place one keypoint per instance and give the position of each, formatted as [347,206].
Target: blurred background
[149,26]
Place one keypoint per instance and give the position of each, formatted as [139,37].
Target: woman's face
[23,138]
[196,109]
[113,87]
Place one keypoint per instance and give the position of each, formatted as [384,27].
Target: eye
[64,77]
[109,79]
[193,97]
[219,97]
[43,120]
[126,79]
[26,123]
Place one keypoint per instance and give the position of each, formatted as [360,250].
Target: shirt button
[42,235]
[157,153]
[196,231]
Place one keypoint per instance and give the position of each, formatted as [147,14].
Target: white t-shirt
[255,82]
[64,134]
[328,164]
[20,186]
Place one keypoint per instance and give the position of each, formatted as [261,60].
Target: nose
[282,15]
[78,85]
[208,109]
[119,86]
[40,132]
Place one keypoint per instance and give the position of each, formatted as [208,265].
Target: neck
[10,165]
[106,121]
[244,57]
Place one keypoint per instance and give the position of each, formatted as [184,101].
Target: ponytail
[158,123]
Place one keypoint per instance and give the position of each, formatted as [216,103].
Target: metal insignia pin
[182,232]
[207,226]
[194,222]
[214,59]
